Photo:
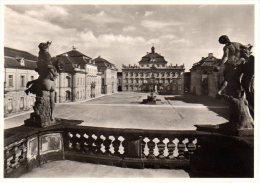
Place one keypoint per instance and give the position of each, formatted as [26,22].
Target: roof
[11,62]
[14,57]
[153,57]
[101,62]
[11,52]
[67,64]
[206,63]
[74,53]
[72,58]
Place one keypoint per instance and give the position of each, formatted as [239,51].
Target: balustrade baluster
[107,142]
[171,147]
[86,143]
[181,149]
[93,145]
[186,151]
[102,146]
[151,146]
[111,146]
[166,150]
[145,150]
[116,144]
[161,148]
[98,143]
[192,146]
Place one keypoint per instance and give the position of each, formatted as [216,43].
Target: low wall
[202,154]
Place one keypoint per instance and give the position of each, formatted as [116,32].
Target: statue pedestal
[39,124]
[225,129]
[42,115]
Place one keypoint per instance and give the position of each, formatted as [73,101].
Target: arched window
[68,81]
[10,105]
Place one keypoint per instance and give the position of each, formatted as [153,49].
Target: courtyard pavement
[123,110]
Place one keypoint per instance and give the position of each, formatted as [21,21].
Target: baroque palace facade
[153,74]
[79,79]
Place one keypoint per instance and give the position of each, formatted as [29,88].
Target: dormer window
[21,61]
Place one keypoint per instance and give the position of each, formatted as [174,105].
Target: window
[68,81]
[10,105]
[11,80]
[179,87]
[22,101]
[32,78]
[22,81]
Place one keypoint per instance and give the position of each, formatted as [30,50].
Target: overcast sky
[123,34]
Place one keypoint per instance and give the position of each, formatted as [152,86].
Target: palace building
[79,79]
[203,79]
[18,70]
[153,74]
[108,75]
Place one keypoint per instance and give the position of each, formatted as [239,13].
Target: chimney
[210,55]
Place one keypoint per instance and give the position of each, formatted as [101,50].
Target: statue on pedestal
[237,87]
[44,89]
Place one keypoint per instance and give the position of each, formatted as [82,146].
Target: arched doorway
[68,95]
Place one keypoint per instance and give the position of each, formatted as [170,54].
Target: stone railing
[200,153]
[131,147]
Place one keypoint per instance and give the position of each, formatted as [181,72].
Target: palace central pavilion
[153,74]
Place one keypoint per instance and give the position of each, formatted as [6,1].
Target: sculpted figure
[234,55]
[44,86]
[238,82]
[240,117]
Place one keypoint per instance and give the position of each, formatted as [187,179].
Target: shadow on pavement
[220,107]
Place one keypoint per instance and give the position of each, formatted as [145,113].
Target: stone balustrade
[188,149]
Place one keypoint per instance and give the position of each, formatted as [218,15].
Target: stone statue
[43,88]
[238,82]
[239,117]
[234,55]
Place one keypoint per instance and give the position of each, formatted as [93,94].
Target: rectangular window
[179,87]
[22,81]
[10,80]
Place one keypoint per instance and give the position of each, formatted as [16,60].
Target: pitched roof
[11,62]
[208,62]
[67,65]
[153,57]
[74,53]
[11,52]
[101,62]
[14,57]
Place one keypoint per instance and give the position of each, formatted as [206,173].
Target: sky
[122,34]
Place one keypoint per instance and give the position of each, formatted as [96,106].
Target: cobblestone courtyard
[123,110]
